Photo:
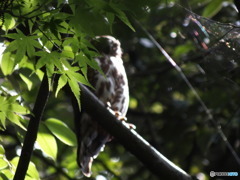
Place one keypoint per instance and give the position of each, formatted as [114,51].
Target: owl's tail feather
[89,148]
[86,165]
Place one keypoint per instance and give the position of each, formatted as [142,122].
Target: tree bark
[32,130]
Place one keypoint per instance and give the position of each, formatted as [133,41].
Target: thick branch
[32,130]
[131,140]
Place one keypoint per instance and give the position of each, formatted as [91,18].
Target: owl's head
[107,45]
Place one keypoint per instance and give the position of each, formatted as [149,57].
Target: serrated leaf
[50,60]
[28,82]
[62,81]
[68,52]
[212,8]
[61,131]
[9,22]
[74,86]
[82,59]
[78,77]
[22,44]
[14,119]
[17,108]
[121,15]
[47,142]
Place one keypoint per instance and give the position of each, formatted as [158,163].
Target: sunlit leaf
[61,131]
[62,81]
[3,119]
[15,119]
[22,44]
[17,108]
[28,82]
[6,174]
[31,172]
[9,22]
[7,63]
[76,90]
[2,151]
[82,60]
[3,164]
[47,142]
[78,77]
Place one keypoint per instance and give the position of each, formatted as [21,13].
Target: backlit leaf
[61,131]
[28,82]
[3,163]
[7,63]
[75,89]
[47,142]
[62,81]
[32,172]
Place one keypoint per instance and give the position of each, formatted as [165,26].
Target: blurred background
[202,37]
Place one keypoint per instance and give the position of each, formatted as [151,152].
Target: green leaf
[9,22]
[11,109]
[62,81]
[61,131]
[2,151]
[17,108]
[75,89]
[49,59]
[22,44]
[15,119]
[3,119]
[7,63]
[82,59]
[121,15]
[47,142]
[28,82]
[78,77]
[111,18]
[212,8]
[3,163]
[6,174]
[68,52]
[32,172]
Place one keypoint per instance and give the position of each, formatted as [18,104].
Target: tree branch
[130,139]
[32,130]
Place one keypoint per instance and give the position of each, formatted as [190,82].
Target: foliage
[52,37]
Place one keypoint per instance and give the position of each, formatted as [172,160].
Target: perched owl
[112,90]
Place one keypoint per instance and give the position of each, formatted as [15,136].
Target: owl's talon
[108,104]
[131,126]
[123,119]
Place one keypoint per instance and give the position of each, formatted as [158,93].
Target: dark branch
[32,130]
[130,139]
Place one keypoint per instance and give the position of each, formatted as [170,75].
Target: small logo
[212,174]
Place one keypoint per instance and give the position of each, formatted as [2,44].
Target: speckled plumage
[111,89]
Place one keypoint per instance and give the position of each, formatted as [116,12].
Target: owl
[112,89]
